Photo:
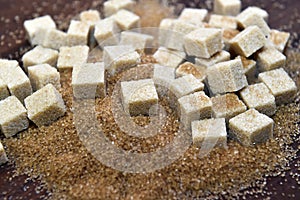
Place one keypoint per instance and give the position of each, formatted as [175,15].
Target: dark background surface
[284,15]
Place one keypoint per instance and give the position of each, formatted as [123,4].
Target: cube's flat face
[270,58]
[106,32]
[193,15]
[90,17]
[169,58]
[111,7]
[227,106]
[127,20]
[195,102]
[257,10]
[280,84]
[220,21]
[216,58]
[186,85]
[187,68]
[227,7]
[78,33]
[250,18]
[162,73]
[68,56]
[137,40]
[258,96]
[279,39]
[54,39]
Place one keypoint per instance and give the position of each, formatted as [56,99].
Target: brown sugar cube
[113,6]
[15,79]
[227,106]
[187,68]
[45,106]
[70,57]
[216,58]
[78,33]
[91,17]
[251,18]
[253,9]
[165,30]
[186,85]
[127,20]
[106,32]
[248,41]
[39,55]
[13,116]
[227,7]
[3,157]
[280,84]
[193,16]
[221,21]
[249,68]
[209,132]
[227,35]
[203,42]
[117,58]
[88,81]
[32,25]
[169,58]
[54,39]
[270,58]
[193,107]
[176,37]
[3,90]
[139,41]
[279,39]
[258,96]
[138,96]
[163,77]
[226,77]
[251,128]
[43,74]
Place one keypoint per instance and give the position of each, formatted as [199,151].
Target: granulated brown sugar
[56,156]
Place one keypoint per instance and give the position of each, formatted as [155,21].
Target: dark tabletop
[284,15]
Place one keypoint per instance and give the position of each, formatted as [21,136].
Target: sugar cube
[113,6]
[163,77]
[169,58]
[227,7]
[279,39]
[193,15]
[270,58]
[70,57]
[137,40]
[221,21]
[187,68]
[106,32]
[3,90]
[127,20]
[3,157]
[216,58]
[78,33]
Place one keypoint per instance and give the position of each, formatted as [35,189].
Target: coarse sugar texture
[214,59]
[3,90]
[193,15]
[68,56]
[3,157]
[78,33]
[91,17]
[197,71]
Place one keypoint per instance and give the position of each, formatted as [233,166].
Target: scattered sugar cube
[15,79]
[246,19]
[216,58]
[193,15]
[117,58]
[45,106]
[227,35]
[193,107]
[280,84]
[226,77]
[258,96]
[13,116]
[186,85]
[249,68]
[203,42]
[137,40]
[279,39]
[70,57]
[32,25]
[106,32]
[221,21]
[3,90]
[127,20]
[78,33]
[54,39]
[209,132]
[113,6]
[3,157]
[138,96]
[251,128]
[169,58]
[43,74]
[187,68]
[40,55]
[91,17]
[165,30]
[248,41]
[163,77]
[253,9]
[227,7]
[176,36]
[270,58]
[88,81]
[227,106]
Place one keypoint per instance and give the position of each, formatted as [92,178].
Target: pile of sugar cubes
[233,81]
